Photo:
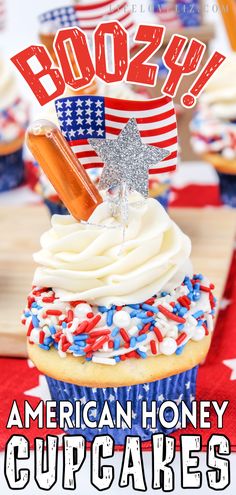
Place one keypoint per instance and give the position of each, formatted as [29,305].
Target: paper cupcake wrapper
[228,189]
[176,388]
[11,170]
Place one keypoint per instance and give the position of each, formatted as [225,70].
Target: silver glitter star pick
[127,160]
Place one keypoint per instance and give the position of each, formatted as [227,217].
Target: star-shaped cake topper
[127,159]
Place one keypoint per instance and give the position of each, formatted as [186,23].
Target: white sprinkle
[133,331]
[101,360]
[210,325]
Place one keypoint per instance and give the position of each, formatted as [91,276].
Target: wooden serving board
[211,230]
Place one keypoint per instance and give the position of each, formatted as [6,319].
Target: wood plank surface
[211,230]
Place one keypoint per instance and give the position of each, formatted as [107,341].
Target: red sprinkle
[124,335]
[119,308]
[158,334]
[38,292]
[57,336]
[65,347]
[90,315]
[41,336]
[99,333]
[170,315]
[150,313]
[123,357]
[30,300]
[93,323]
[150,301]
[81,328]
[75,303]
[48,299]
[53,312]
[181,338]
[205,289]
[205,328]
[110,344]
[183,302]
[153,346]
[31,326]
[131,354]
[70,315]
[145,328]
[99,343]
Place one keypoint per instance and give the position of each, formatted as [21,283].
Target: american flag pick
[88,15]
[84,117]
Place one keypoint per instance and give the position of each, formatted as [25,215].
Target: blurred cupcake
[214,128]
[13,122]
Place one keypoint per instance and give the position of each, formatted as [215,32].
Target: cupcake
[214,128]
[112,318]
[13,122]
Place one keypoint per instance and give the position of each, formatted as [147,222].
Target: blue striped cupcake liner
[11,170]
[177,388]
[228,189]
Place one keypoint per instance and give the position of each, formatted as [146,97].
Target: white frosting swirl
[89,262]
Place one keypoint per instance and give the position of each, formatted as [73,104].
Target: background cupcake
[13,122]
[214,127]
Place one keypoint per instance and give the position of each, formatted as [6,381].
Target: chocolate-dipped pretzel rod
[65,172]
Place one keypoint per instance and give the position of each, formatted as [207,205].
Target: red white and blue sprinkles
[107,335]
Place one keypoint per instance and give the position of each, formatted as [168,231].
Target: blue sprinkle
[27,314]
[141,353]
[148,307]
[48,340]
[115,331]
[88,359]
[116,344]
[52,329]
[110,315]
[134,306]
[163,294]
[199,276]
[76,350]
[34,305]
[190,296]
[196,295]
[196,286]
[82,343]
[140,326]
[133,314]
[179,350]
[55,344]
[142,314]
[117,359]
[140,338]
[64,324]
[147,320]
[180,327]
[35,321]
[178,306]
[82,336]
[188,283]
[44,347]
[198,314]
[132,342]
[183,311]
[102,309]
